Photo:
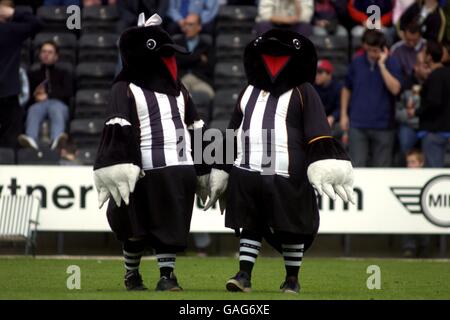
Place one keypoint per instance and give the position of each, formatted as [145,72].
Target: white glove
[118,180]
[332,176]
[202,189]
[218,181]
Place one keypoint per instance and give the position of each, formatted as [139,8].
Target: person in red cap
[329,90]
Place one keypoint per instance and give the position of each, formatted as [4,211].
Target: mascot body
[284,149]
[144,161]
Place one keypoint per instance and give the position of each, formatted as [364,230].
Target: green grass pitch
[204,279]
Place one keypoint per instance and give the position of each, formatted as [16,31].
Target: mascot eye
[257,41]
[151,44]
[296,43]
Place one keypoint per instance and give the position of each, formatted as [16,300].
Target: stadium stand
[98,47]
[99,19]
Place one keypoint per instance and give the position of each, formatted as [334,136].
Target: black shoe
[168,284]
[133,281]
[290,285]
[239,283]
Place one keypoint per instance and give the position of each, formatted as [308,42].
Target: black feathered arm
[321,144]
[120,138]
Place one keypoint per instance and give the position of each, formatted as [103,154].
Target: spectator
[358,12]
[410,99]
[180,9]
[52,89]
[196,69]
[406,51]
[129,11]
[428,15]
[368,102]
[325,19]
[97,3]
[434,110]
[16,26]
[329,90]
[295,15]
[415,245]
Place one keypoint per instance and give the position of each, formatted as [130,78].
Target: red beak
[171,65]
[275,64]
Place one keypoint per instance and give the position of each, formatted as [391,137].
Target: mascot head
[148,56]
[279,60]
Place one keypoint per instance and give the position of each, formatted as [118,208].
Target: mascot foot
[133,281]
[290,285]
[239,283]
[168,283]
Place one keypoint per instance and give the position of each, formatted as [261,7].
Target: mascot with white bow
[284,149]
[144,163]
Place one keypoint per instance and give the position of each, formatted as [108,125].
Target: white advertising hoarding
[388,201]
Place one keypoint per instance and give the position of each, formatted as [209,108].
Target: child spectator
[415,245]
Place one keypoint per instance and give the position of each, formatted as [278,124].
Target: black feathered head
[279,60]
[148,57]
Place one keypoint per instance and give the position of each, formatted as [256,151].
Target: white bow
[154,20]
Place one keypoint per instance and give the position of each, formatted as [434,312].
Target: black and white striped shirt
[147,128]
[273,132]
[164,135]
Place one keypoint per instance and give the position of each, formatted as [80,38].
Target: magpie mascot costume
[144,161]
[283,150]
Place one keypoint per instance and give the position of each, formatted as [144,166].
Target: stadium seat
[334,48]
[91,103]
[236,19]
[44,156]
[86,133]
[95,75]
[7,156]
[340,70]
[67,43]
[229,74]
[86,156]
[54,18]
[98,47]
[99,19]
[224,103]
[230,47]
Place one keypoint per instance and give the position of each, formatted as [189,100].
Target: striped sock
[132,253]
[248,252]
[293,255]
[166,263]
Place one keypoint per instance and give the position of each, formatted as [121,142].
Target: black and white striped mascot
[284,149]
[144,161]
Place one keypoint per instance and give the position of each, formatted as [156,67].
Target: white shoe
[59,141]
[27,142]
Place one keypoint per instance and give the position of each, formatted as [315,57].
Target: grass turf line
[204,279]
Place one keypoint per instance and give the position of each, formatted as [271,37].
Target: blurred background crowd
[385,90]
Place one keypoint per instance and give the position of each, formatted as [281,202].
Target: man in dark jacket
[434,110]
[15,27]
[196,69]
[52,89]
